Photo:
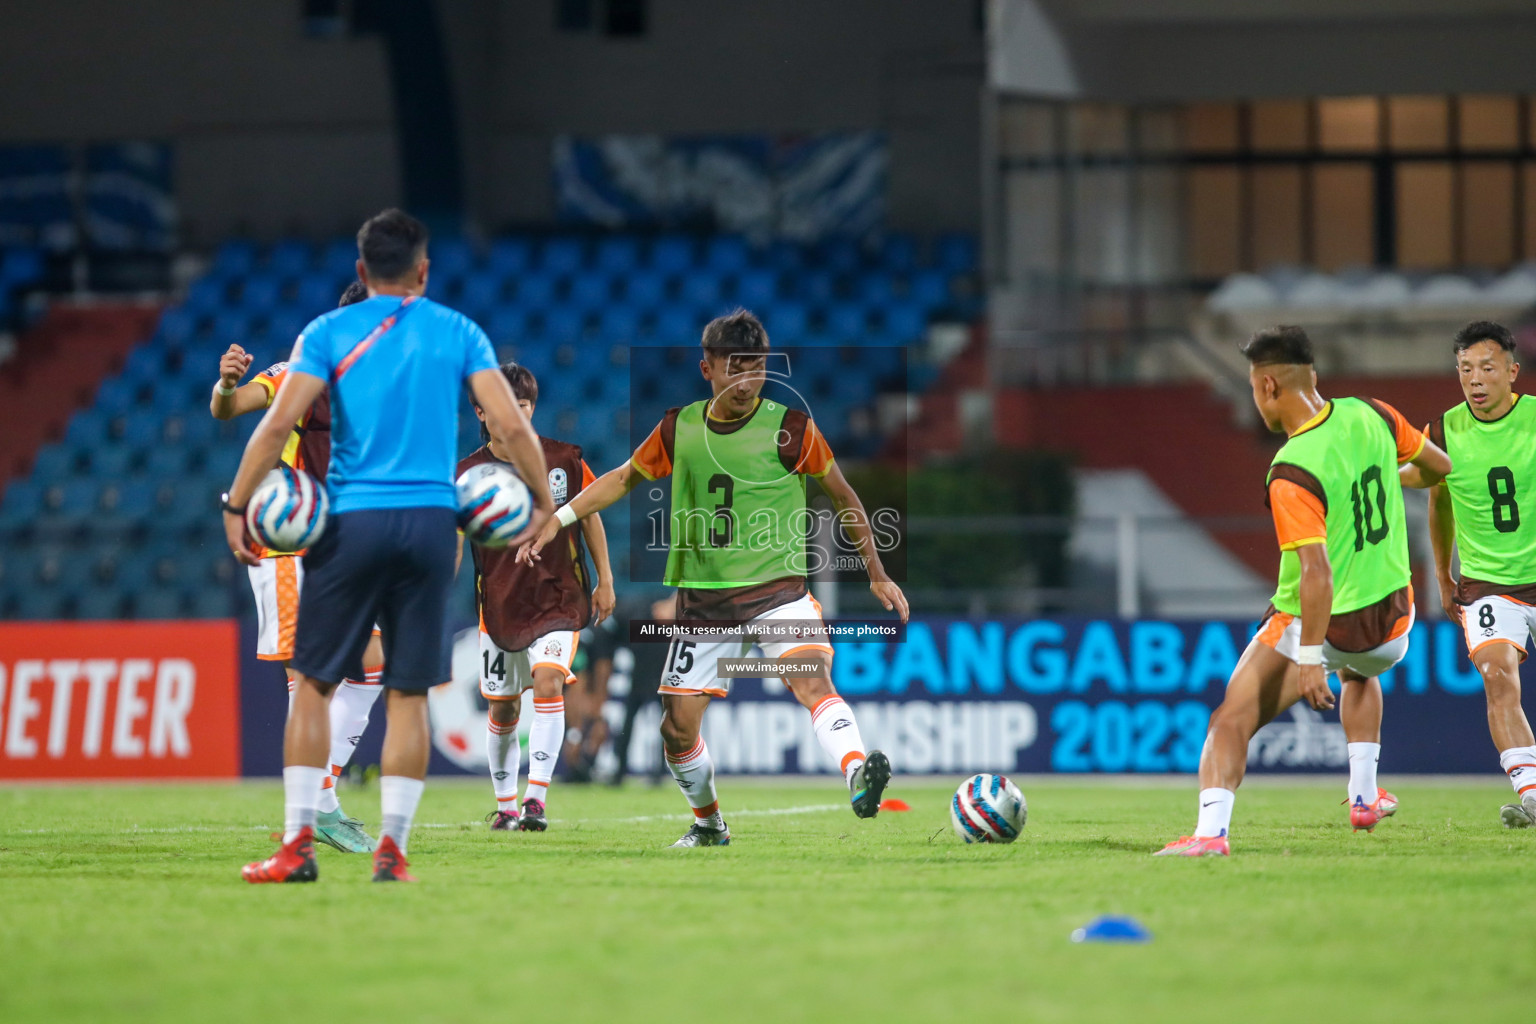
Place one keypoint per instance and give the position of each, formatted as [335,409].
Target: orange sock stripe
[821,705]
[337,769]
[548,703]
[532,783]
[329,783]
[507,799]
[704,812]
[690,754]
[852,755]
[502,730]
[1516,767]
[1525,789]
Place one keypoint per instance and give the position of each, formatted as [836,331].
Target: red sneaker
[293,862]
[389,864]
[1365,817]
[1197,846]
[1386,801]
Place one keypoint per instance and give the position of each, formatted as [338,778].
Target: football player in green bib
[1492,438]
[738,463]
[1344,602]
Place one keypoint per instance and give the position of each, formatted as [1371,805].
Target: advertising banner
[104,700]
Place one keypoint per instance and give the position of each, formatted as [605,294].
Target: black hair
[525,387]
[735,332]
[390,244]
[1483,330]
[356,292]
[1284,343]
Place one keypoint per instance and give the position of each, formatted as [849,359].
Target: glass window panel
[1214,219]
[1098,129]
[1487,214]
[1276,214]
[1425,223]
[1418,123]
[1103,221]
[1350,124]
[1211,128]
[1033,201]
[1027,130]
[1157,130]
[1488,122]
[1279,126]
[1159,207]
[1342,215]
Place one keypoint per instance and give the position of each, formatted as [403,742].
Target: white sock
[351,704]
[838,733]
[695,775]
[544,739]
[1362,772]
[399,796]
[1519,763]
[301,791]
[504,754]
[1215,812]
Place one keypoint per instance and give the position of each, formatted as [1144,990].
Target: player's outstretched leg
[1264,684]
[351,705]
[837,732]
[504,754]
[688,758]
[1360,707]
[545,738]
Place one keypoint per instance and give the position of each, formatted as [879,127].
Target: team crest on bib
[557,485]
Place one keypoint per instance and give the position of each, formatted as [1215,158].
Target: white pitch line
[636,820]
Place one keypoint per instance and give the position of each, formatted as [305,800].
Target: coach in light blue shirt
[395,364]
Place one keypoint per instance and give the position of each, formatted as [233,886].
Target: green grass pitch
[125,904]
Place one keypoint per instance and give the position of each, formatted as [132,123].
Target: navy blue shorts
[392,566]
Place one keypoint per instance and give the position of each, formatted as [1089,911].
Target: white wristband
[1309,654]
[221,389]
[565,515]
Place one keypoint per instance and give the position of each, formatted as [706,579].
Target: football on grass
[988,809]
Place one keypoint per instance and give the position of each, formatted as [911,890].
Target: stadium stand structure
[115,518]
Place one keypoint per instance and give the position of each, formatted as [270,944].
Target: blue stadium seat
[480,291]
[847,321]
[157,603]
[289,258]
[207,294]
[563,325]
[898,253]
[316,294]
[231,327]
[97,603]
[785,257]
[619,324]
[142,427]
[786,322]
[591,290]
[671,254]
[814,286]
[166,461]
[727,254]
[874,288]
[211,602]
[928,288]
[905,322]
[841,255]
[22,501]
[259,292]
[562,256]
[44,603]
[676,325]
[116,395]
[177,326]
[54,463]
[284,325]
[646,290]
[617,255]
[510,256]
[757,288]
[539,358]
[956,254]
[700,288]
[339,260]
[535,291]
[452,257]
[235,258]
[111,461]
[507,325]
[196,428]
[21,264]
[87,428]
